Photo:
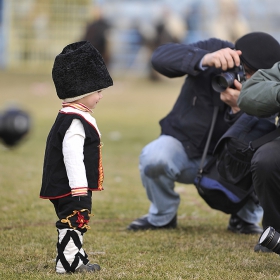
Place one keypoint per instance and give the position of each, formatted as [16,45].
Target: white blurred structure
[229,24]
[32,32]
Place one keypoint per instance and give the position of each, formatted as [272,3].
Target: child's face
[91,100]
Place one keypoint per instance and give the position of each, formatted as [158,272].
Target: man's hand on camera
[224,58]
[230,96]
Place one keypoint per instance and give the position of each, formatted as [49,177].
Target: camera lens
[223,81]
[270,239]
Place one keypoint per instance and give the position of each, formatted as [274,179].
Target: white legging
[70,254]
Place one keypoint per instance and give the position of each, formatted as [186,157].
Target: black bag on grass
[225,183]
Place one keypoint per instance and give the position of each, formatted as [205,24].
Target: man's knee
[153,170]
[152,164]
[264,160]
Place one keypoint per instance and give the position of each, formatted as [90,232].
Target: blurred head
[14,125]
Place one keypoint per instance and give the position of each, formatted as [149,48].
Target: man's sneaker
[261,249]
[237,225]
[89,267]
[143,224]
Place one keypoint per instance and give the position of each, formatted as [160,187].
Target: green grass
[128,115]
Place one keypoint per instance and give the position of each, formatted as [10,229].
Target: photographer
[260,96]
[175,156]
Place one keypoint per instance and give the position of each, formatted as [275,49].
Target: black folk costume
[73,162]
[72,210]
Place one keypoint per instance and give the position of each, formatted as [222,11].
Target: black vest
[55,182]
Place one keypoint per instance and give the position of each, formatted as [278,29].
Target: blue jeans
[164,162]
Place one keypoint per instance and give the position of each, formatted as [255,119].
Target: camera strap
[214,117]
[264,139]
[218,105]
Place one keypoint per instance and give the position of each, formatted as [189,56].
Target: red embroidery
[81,220]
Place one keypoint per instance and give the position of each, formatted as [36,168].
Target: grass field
[128,115]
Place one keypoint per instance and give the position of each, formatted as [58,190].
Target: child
[73,162]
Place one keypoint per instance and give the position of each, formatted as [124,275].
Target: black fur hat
[78,71]
[259,50]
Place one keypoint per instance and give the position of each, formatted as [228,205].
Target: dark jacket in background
[260,95]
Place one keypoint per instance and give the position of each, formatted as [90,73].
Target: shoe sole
[150,228]
[243,232]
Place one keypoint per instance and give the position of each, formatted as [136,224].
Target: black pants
[266,180]
[66,205]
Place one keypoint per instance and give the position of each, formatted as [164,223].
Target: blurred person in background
[166,28]
[97,34]
[260,96]
[175,156]
[229,24]
[194,15]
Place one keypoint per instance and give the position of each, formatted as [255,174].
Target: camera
[14,125]
[226,79]
[270,239]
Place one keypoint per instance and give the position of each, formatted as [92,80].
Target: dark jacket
[55,183]
[260,95]
[190,119]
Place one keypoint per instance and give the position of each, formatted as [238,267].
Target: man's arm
[260,95]
[176,60]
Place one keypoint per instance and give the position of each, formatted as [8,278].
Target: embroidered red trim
[81,220]
[83,223]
